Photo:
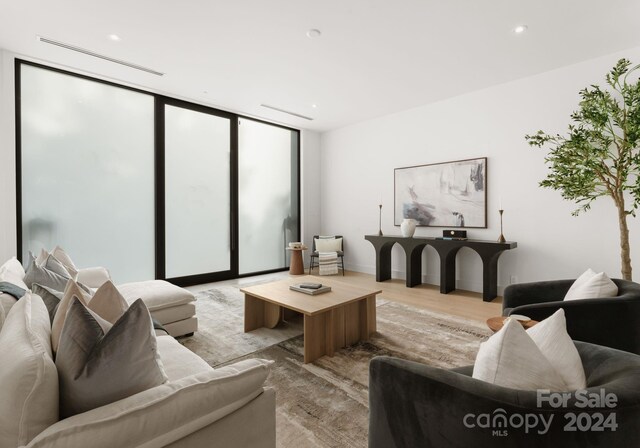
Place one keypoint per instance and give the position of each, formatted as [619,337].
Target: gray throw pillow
[54,265]
[44,276]
[96,369]
[50,297]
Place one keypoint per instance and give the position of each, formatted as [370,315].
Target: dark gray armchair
[413,405]
[612,322]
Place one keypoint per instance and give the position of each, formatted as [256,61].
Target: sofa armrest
[93,277]
[535,292]
[163,414]
[613,322]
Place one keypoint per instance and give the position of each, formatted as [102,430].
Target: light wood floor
[464,304]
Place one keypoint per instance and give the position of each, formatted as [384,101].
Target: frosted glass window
[87,172]
[197,192]
[267,195]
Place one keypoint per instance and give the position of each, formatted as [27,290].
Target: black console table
[489,252]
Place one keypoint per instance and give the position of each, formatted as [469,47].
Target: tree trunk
[625,251]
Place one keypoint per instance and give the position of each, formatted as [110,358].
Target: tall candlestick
[380,221]
[501,238]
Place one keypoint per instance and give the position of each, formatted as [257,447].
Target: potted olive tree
[600,155]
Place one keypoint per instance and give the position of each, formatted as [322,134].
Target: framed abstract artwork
[449,194]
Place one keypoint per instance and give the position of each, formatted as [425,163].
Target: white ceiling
[374,57]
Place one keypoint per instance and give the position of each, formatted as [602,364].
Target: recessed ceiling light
[114,37]
[314,105]
[313,33]
[520,29]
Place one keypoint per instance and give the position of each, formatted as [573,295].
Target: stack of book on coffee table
[311,288]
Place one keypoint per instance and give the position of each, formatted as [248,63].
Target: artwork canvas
[450,194]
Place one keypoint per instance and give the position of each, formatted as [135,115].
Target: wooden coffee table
[332,320]
[496,323]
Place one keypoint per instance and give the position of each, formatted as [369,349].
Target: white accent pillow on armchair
[592,285]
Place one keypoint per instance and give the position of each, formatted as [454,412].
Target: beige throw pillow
[108,303]
[72,290]
[328,244]
[96,369]
[511,359]
[591,285]
[29,379]
[556,345]
[66,260]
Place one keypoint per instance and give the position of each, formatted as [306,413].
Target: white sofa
[198,407]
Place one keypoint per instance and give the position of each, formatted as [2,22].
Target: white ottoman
[172,306]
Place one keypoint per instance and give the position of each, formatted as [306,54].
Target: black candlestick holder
[501,238]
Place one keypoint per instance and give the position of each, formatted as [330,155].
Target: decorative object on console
[501,238]
[454,235]
[449,194]
[600,156]
[408,227]
[380,221]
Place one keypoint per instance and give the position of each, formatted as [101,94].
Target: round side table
[297,265]
[496,323]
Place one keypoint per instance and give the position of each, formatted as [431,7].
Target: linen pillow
[328,244]
[41,259]
[28,375]
[44,276]
[108,303]
[96,369]
[595,286]
[50,297]
[556,345]
[511,359]
[581,280]
[72,290]
[12,271]
[53,264]
[66,261]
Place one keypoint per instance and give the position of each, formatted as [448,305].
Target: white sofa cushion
[177,360]
[29,379]
[556,345]
[511,359]
[156,294]
[591,285]
[13,272]
[164,414]
[108,303]
[93,277]
[96,369]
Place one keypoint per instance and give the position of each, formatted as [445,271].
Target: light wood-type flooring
[464,304]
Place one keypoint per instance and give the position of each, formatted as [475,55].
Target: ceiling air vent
[97,55]
[287,112]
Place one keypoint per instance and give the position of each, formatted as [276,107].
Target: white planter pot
[408,227]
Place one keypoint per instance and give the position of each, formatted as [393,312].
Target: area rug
[325,403]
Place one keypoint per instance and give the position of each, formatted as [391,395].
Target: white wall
[310,167]
[310,186]
[7,159]
[358,163]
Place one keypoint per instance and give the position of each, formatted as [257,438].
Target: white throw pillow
[28,376]
[328,244]
[511,359]
[13,272]
[592,287]
[66,261]
[556,345]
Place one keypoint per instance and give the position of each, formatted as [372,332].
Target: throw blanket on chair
[328,262]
